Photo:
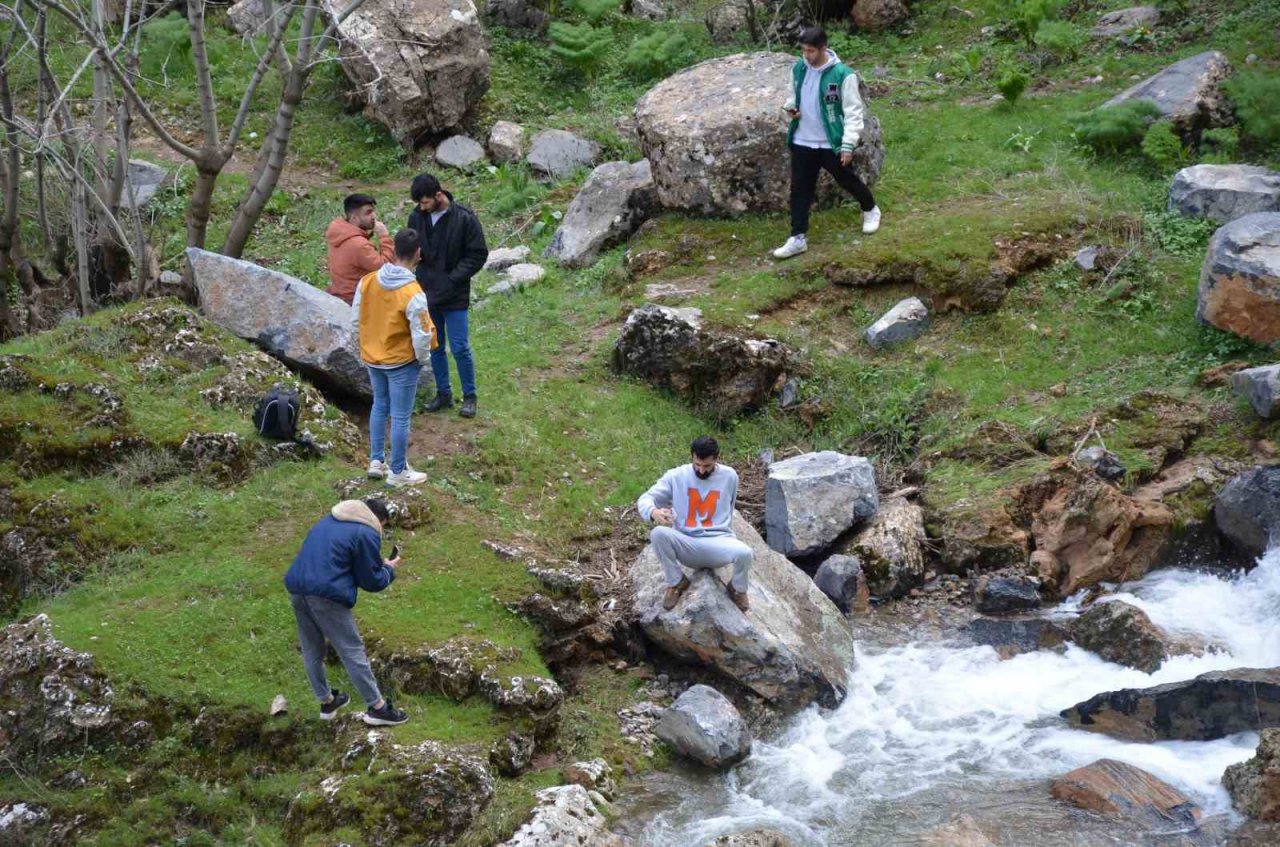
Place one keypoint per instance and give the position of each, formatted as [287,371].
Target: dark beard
[700,475]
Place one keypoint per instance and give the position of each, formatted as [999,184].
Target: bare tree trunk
[201,204]
[10,173]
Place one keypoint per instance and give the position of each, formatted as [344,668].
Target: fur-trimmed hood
[355,511]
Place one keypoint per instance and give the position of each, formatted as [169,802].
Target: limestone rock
[1124,21]
[248,17]
[877,15]
[890,548]
[1240,278]
[452,669]
[595,775]
[1247,509]
[523,273]
[517,14]
[904,322]
[612,203]
[506,142]
[556,153]
[1254,785]
[791,648]
[715,135]
[1261,387]
[1223,193]
[1189,92]
[1213,705]
[293,321]
[1004,596]
[1114,788]
[703,725]
[753,838]
[502,258]
[720,374]
[564,817]
[810,500]
[421,66]
[459,151]
[1121,633]
[512,754]
[142,181]
[841,578]
[649,10]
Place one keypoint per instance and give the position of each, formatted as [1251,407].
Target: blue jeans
[393,393]
[451,329]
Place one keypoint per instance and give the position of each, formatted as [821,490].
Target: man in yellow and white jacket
[396,337]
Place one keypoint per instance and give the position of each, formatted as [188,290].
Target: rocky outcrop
[1213,705]
[612,203]
[53,700]
[906,321]
[1189,93]
[517,14]
[1121,633]
[461,152]
[512,754]
[791,648]
[1115,788]
[1254,785]
[506,143]
[1124,21]
[714,154]
[557,154]
[1254,834]
[1005,595]
[1247,509]
[717,373]
[595,775]
[877,15]
[841,578]
[810,500]
[979,535]
[703,725]
[1223,193]
[1260,387]
[420,67]
[890,548]
[565,816]
[293,321]
[1240,278]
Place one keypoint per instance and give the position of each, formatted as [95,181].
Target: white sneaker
[871,220]
[377,470]
[795,245]
[408,476]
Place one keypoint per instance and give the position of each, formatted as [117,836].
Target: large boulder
[612,203]
[703,725]
[556,153]
[421,66]
[791,648]
[877,15]
[1121,633]
[891,548]
[1240,278]
[1247,509]
[1213,705]
[718,373]
[1118,789]
[1261,387]
[297,323]
[1189,93]
[1254,785]
[1010,637]
[1124,21]
[715,134]
[810,500]
[840,577]
[564,816]
[249,17]
[1223,193]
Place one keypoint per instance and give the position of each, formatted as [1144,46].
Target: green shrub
[595,10]
[1011,84]
[1029,15]
[580,46]
[1116,129]
[1219,145]
[517,190]
[1163,146]
[1255,96]
[658,53]
[1061,38]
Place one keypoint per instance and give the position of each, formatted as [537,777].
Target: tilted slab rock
[1240,278]
[557,153]
[810,500]
[1223,193]
[1189,92]
[612,203]
[791,648]
[1119,789]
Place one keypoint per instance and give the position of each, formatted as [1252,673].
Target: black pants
[806,164]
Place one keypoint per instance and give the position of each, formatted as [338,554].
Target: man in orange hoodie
[351,252]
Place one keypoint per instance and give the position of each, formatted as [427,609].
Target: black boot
[468,408]
[439,402]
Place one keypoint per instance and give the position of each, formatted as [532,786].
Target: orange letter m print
[699,508]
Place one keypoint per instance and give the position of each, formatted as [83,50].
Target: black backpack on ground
[276,414]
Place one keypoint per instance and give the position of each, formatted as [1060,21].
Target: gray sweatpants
[674,549]
[319,620]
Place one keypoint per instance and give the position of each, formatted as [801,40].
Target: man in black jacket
[453,251]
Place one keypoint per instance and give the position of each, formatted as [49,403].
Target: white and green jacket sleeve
[854,113]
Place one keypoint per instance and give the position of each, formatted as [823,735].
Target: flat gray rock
[612,203]
[557,154]
[524,273]
[1188,92]
[142,181]
[904,322]
[504,257]
[506,142]
[461,152]
[1240,278]
[703,725]
[1223,193]
[1124,21]
[811,500]
[1261,387]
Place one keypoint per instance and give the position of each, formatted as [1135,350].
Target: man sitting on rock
[693,507]
[341,553]
[351,252]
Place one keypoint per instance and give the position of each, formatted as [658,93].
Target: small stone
[1086,258]
[460,152]
[279,705]
[906,321]
[502,258]
[1102,462]
[506,142]
[524,273]
[1059,390]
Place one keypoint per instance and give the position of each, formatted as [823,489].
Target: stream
[931,729]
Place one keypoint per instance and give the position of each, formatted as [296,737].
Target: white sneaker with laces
[408,476]
[871,220]
[795,245]
[377,469]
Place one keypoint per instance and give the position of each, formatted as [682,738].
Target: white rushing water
[929,730]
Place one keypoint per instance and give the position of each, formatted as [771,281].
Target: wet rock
[557,154]
[878,15]
[1254,785]
[1124,21]
[1261,387]
[840,577]
[1010,637]
[295,322]
[1102,462]
[703,725]
[512,754]
[142,181]
[1004,595]
[1114,788]
[810,500]
[720,374]
[890,548]
[791,648]
[517,14]
[726,155]
[502,258]
[960,831]
[612,203]
[979,535]
[1213,705]
[420,67]
[565,816]
[1247,509]
[1189,93]
[754,838]
[906,321]
[1121,633]
[595,775]
[1240,278]
[1255,834]
[506,144]
[53,700]
[1223,193]
[461,152]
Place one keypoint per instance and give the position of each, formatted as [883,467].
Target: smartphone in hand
[395,553]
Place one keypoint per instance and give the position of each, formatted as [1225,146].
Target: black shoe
[388,715]
[468,409]
[439,402]
[328,711]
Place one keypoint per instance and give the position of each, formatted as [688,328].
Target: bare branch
[264,63]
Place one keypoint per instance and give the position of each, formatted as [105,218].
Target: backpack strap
[282,414]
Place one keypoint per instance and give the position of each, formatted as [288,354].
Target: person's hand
[794,113]
[393,563]
[663,517]
[846,158]
[380,229]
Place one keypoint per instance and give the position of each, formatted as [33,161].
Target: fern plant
[1061,38]
[1162,146]
[1117,128]
[517,190]
[595,10]
[580,46]
[1255,96]
[1011,84]
[657,53]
